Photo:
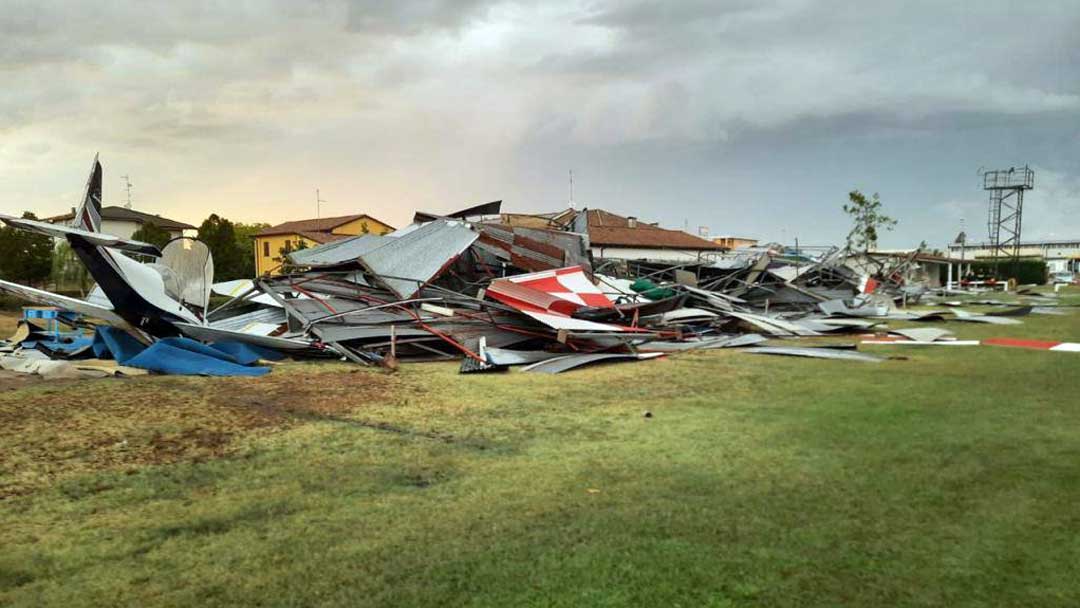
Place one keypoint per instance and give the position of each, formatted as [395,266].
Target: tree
[25,257]
[291,246]
[153,234]
[245,239]
[68,271]
[219,234]
[868,218]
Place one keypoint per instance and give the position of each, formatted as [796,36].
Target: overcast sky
[749,117]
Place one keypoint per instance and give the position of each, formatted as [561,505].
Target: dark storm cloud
[675,110]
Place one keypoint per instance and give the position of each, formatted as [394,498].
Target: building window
[266,249]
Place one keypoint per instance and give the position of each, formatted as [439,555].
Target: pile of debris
[462,286]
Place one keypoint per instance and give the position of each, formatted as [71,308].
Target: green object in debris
[651,290]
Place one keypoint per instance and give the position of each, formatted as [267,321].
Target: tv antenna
[127,186]
[571,188]
[318,200]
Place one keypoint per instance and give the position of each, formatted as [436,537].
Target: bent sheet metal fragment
[551,296]
[569,362]
[817,353]
[923,334]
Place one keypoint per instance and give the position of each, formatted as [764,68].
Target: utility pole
[127,186]
[961,239]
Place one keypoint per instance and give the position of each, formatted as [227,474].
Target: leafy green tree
[153,234]
[868,220]
[25,257]
[219,234]
[291,246]
[245,242]
[68,271]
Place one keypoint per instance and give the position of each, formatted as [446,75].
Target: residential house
[613,236]
[271,244]
[734,242]
[124,222]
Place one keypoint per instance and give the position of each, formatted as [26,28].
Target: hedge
[1025,270]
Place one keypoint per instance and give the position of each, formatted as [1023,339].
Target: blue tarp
[112,343]
[65,348]
[174,355]
[246,354]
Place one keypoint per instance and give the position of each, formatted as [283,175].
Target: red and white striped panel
[1034,344]
[552,296]
[568,284]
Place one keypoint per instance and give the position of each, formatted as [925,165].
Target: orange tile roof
[122,214]
[607,229]
[325,224]
[322,237]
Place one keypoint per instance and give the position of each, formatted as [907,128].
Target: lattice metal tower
[1004,216]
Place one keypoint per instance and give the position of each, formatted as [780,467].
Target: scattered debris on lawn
[460,286]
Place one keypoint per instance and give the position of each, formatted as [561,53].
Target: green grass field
[949,476]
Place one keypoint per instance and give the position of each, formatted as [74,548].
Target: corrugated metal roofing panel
[337,252]
[239,322]
[406,263]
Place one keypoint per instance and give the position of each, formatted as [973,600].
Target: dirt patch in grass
[51,431]
[11,381]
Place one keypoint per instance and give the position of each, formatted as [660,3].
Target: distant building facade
[1060,256]
[272,243]
[734,242]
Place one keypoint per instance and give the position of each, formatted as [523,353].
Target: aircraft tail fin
[88,214]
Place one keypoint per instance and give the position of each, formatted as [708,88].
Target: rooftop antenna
[318,201]
[571,188]
[127,186]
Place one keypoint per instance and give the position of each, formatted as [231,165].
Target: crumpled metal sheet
[552,296]
[506,357]
[238,322]
[816,353]
[681,316]
[923,334]
[211,334]
[569,362]
[963,315]
[535,249]
[840,308]
[773,325]
[735,341]
[405,264]
[338,253]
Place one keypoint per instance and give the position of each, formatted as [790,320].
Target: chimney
[631,222]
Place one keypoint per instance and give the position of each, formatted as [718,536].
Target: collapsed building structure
[492,289]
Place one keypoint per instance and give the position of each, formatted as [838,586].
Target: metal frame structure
[1005,213]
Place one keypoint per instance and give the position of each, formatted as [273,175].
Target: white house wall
[662,255]
[124,229]
[1049,251]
